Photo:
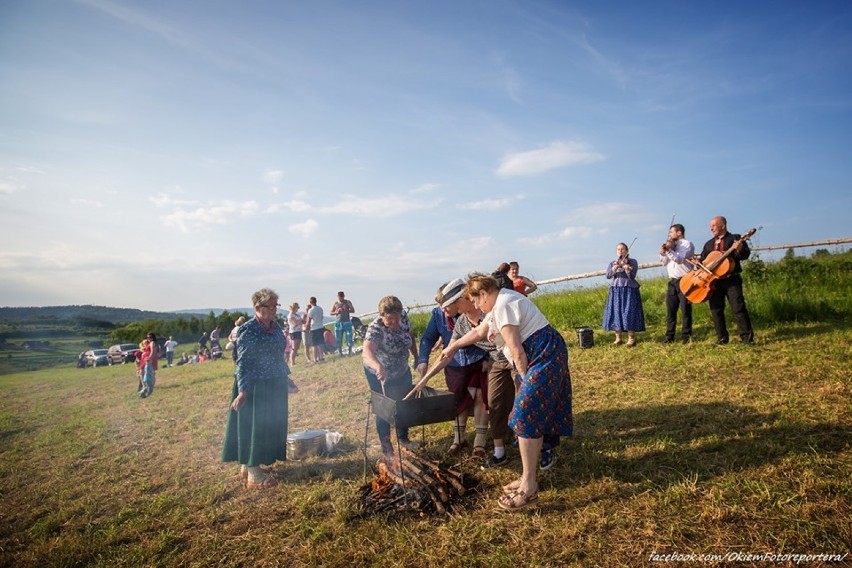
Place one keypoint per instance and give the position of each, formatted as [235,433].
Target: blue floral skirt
[623,310]
[543,402]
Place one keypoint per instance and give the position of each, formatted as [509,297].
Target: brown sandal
[516,501]
[456,448]
[479,452]
[267,482]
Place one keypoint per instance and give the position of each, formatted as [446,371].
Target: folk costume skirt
[459,379]
[543,403]
[257,434]
[623,310]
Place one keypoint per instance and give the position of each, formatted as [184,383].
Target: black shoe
[685,340]
[748,341]
[546,460]
[494,461]
[668,340]
[723,341]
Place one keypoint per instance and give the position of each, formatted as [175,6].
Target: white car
[96,357]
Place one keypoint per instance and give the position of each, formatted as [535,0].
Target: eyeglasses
[271,306]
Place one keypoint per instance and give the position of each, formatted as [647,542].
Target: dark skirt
[459,379]
[257,434]
[543,404]
[623,310]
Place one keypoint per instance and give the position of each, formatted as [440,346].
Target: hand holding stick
[436,368]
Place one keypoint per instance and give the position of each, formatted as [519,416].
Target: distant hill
[118,316]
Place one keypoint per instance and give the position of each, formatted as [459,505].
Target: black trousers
[732,289]
[676,300]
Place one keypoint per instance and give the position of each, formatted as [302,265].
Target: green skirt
[257,434]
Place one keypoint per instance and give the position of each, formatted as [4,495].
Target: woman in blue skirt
[623,310]
[542,410]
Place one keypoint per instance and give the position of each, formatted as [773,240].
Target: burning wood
[412,482]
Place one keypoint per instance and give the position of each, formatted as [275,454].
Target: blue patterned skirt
[623,310]
[543,402]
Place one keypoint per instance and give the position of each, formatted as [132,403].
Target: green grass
[687,449]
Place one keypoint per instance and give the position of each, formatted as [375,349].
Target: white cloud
[612,213]
[164,200]
[389,206]
[7,188]
[305,229]
[490,204]
[555,155]
[293,205]
[425,188]
[565,234]
[273,176]
[222,213]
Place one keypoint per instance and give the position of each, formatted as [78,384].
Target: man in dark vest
[731,286]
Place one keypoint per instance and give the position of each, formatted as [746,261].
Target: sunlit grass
[677,449]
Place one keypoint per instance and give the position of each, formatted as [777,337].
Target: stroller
[358,328]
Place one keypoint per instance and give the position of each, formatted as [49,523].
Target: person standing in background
[623,310]
[342,310]
[315,317]
[675,254]
[520,284]
[232,336]
[296,324]
[170,350]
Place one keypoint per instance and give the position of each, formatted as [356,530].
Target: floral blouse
[392,346]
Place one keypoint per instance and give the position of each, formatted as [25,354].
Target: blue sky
[166,155]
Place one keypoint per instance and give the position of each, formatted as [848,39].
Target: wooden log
[428,480]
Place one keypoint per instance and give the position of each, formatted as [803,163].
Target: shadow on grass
[663,445]
[798,332]
[658,446]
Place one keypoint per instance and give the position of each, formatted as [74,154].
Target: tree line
[183,329]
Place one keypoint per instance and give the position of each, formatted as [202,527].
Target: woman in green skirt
[256,430]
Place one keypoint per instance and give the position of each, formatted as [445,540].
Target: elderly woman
[256,431]
[464,373]
[388,342]
[499,388]
[542,410]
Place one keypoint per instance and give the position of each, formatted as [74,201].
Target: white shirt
[315,314]
[512,308]
[675,259]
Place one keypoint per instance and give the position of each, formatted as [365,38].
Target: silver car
[96,357]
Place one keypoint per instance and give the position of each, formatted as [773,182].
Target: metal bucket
[306,443]
[415,411]
[586,337]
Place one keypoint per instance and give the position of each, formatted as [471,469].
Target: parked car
[96,357]
[122,353]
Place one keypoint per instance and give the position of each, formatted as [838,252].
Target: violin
[667,246]
[622,263]
[698,284]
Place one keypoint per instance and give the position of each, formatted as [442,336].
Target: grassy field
[678,449]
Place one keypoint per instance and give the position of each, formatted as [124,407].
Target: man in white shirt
[170,350]
[315,316]
[675,254]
